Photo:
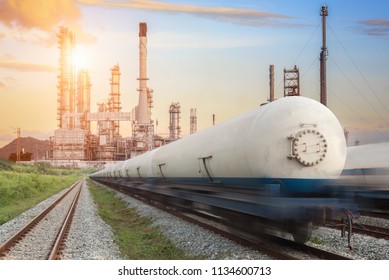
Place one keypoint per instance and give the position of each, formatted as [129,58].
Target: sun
[80,60]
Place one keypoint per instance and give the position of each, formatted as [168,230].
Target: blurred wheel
[302,231]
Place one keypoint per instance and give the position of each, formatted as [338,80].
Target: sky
[210,55]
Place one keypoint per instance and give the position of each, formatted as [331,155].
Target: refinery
[279,181]
[84,138]
[74,141]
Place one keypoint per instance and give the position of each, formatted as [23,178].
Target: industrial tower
[193,120]
[143,128]
[66,77]
[74,141]
[323,58]
[175,116]
[292,82]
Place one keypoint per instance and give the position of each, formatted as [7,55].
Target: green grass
[133,234]
[318,241]
[22,186]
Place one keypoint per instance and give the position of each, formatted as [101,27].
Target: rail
[18,236]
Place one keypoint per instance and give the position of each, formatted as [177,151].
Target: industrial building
[73,139]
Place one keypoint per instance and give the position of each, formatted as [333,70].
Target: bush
[5,165]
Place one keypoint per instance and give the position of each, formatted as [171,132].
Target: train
[269,168]
[367,165]
[366,176]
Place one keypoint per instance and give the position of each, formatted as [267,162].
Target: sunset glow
[209,55]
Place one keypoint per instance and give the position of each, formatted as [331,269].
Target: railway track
[274,246]
[361,228]
[382,215]
[51,225]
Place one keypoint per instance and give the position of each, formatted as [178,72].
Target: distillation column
[193,121]
[66,77]
[174,127]
[114,98]
[83,98]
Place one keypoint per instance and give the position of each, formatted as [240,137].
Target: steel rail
[373,231]
[7,245]
[54,254]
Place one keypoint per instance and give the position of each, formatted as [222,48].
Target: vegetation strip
[135,236]
[23,186]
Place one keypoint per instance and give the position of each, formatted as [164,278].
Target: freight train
[366,175]
[266,169]
[367,165]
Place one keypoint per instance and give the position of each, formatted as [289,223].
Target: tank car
[367,165]
[366,176]
[270,163]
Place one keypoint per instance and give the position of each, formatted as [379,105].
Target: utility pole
[323,58]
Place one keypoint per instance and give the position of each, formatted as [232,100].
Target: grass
[133,234]
[23,186]
[318,241]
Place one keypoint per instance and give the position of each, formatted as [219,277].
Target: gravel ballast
[95,241]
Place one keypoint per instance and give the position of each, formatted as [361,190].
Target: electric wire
[359,71]
[359,92]
[306,44]
[369,124]
[301,52]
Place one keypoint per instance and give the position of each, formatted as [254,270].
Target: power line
[359,92]
[360,116]
[305,46]
[359,71]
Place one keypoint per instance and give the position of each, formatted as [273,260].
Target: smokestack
[323,58]
[142,29]
[271,82]
[143,113]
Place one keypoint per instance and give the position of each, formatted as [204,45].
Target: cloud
[234,15]
[41,14]
[26,66]
[2,85]
[7,56]
[9,79]
[375,27]
[31,17]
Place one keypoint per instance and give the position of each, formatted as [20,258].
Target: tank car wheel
[302,231]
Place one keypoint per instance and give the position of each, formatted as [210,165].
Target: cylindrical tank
[285,141]
[294,142]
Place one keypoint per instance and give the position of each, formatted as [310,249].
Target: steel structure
[114,98]
[323,58]
[83,98]
[193,120]
[66,77]
[74,140]
[175,116]
[143,128]
[292,82]
[271,82]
